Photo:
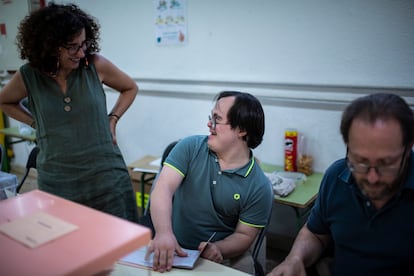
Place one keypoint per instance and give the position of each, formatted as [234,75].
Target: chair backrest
[24,104]
[2,155]
[258,245]
[167,151]
[258,266]
[31,163]
[31,160]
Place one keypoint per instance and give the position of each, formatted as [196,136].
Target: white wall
[349,42]
[10,15]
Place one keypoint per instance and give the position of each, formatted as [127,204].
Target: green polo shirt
[213,200]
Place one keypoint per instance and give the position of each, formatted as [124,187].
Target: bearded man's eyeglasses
[381,170]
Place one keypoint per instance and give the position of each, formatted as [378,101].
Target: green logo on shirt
[236,196]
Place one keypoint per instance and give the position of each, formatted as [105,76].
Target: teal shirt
[211,200]
[77,158]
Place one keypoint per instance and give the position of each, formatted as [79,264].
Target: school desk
[14,132]
[148,165]
[99,241]
[203,267]
[301,199]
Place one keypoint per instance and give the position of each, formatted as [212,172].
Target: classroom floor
[273,255]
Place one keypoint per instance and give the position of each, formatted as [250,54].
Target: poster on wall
[170,22]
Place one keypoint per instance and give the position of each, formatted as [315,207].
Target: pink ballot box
[42,234]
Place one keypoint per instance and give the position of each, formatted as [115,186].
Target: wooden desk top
[144,164]
[203,267]
[14,132]
[304,194]
[99,242]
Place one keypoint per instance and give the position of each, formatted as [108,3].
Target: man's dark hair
[381,106]
[247,114]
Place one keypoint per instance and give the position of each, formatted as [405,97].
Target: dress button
[67,99]
[368,203]
[219,172]
[67,108]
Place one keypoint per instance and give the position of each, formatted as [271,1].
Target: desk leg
[300,213]
[143,182]
[143,193]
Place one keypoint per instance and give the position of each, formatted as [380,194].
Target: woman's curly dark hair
[43,31]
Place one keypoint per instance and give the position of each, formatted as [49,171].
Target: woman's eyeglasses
[73,49]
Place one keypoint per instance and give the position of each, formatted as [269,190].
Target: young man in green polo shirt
[217,186]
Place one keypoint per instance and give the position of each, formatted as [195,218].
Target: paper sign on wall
[170,22]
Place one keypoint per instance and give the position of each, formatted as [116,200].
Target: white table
[203,267]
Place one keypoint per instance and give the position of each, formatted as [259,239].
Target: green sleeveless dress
[77,159]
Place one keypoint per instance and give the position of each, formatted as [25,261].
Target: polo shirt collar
[243,171]
[346,174]
[409,183]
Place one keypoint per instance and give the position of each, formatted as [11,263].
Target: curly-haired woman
[79,158]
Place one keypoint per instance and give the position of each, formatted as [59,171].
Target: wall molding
[333,97]
[313,96]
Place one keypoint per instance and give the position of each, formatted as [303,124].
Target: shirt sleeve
[318,220]
[257,208]
[183,153]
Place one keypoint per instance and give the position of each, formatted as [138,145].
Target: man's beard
[387,189]
[383,190]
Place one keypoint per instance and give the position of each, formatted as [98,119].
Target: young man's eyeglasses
[214,122]
[74,48]
[381,170]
